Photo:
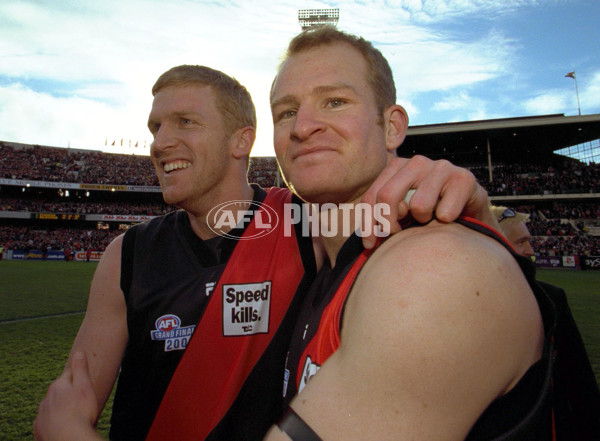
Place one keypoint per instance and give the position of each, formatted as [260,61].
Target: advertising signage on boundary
[95,256]
[118,218]
[557,261]
[570,261]
[55,255]
[18,254]
[102,187]
[549,261]
[41,184]
[591,262]
[57,216]
[75,186]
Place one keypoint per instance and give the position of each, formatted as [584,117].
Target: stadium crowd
[93,167]
[558,229]
[66,165]
[579,245]
[23,238]
[532,179]
[82,207]
[263,171]
[74,166]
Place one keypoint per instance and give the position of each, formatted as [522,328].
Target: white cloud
[547,102]
[590,94]
[455,102]
[444,10]
[462,107]
[32,117]
[84,72]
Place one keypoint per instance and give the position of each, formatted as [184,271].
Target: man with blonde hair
[577,397]
[514,226]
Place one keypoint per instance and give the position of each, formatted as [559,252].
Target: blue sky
[81,75]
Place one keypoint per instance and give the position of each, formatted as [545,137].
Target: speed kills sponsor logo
[246,308]
[169,329]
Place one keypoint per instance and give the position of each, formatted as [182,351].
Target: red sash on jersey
[214,367]
[327,339]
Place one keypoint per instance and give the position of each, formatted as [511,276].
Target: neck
[204,224]
[336,225]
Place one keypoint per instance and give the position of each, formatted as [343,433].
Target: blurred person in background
[513,225]
[575,389]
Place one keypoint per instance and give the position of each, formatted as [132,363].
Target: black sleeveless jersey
[167,276]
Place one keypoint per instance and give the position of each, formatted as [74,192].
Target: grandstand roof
[510,139]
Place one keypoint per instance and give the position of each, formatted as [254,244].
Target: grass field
[36,335]
[41,308]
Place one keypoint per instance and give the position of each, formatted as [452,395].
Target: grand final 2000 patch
[169,329]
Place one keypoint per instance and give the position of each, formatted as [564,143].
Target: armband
[296,428]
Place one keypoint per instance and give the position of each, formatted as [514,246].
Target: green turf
[583,294]
[35,350]
[34,288]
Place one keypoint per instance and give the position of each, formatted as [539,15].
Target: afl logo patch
[169,330]
[168,322]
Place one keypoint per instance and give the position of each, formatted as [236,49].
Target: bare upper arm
[103,334]
[439,323]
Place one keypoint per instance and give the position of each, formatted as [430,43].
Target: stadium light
[309,18]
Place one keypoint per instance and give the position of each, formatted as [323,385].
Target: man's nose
[163,139]
[308,121]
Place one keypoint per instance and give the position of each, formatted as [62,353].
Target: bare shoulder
[105,292]
[106,309]
[112,255]
[443,272]
[445,245]
[438,265]
[439,323]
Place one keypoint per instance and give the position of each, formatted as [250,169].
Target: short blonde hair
[379,75]
[498,213]
[233,99]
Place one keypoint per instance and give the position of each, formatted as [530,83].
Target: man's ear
[242,142]
[396,124]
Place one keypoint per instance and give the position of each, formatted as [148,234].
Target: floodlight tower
[310,18]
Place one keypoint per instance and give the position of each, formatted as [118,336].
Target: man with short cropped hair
[441,333]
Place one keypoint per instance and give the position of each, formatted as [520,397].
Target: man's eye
[186,122]
[287,114]
[335,102]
